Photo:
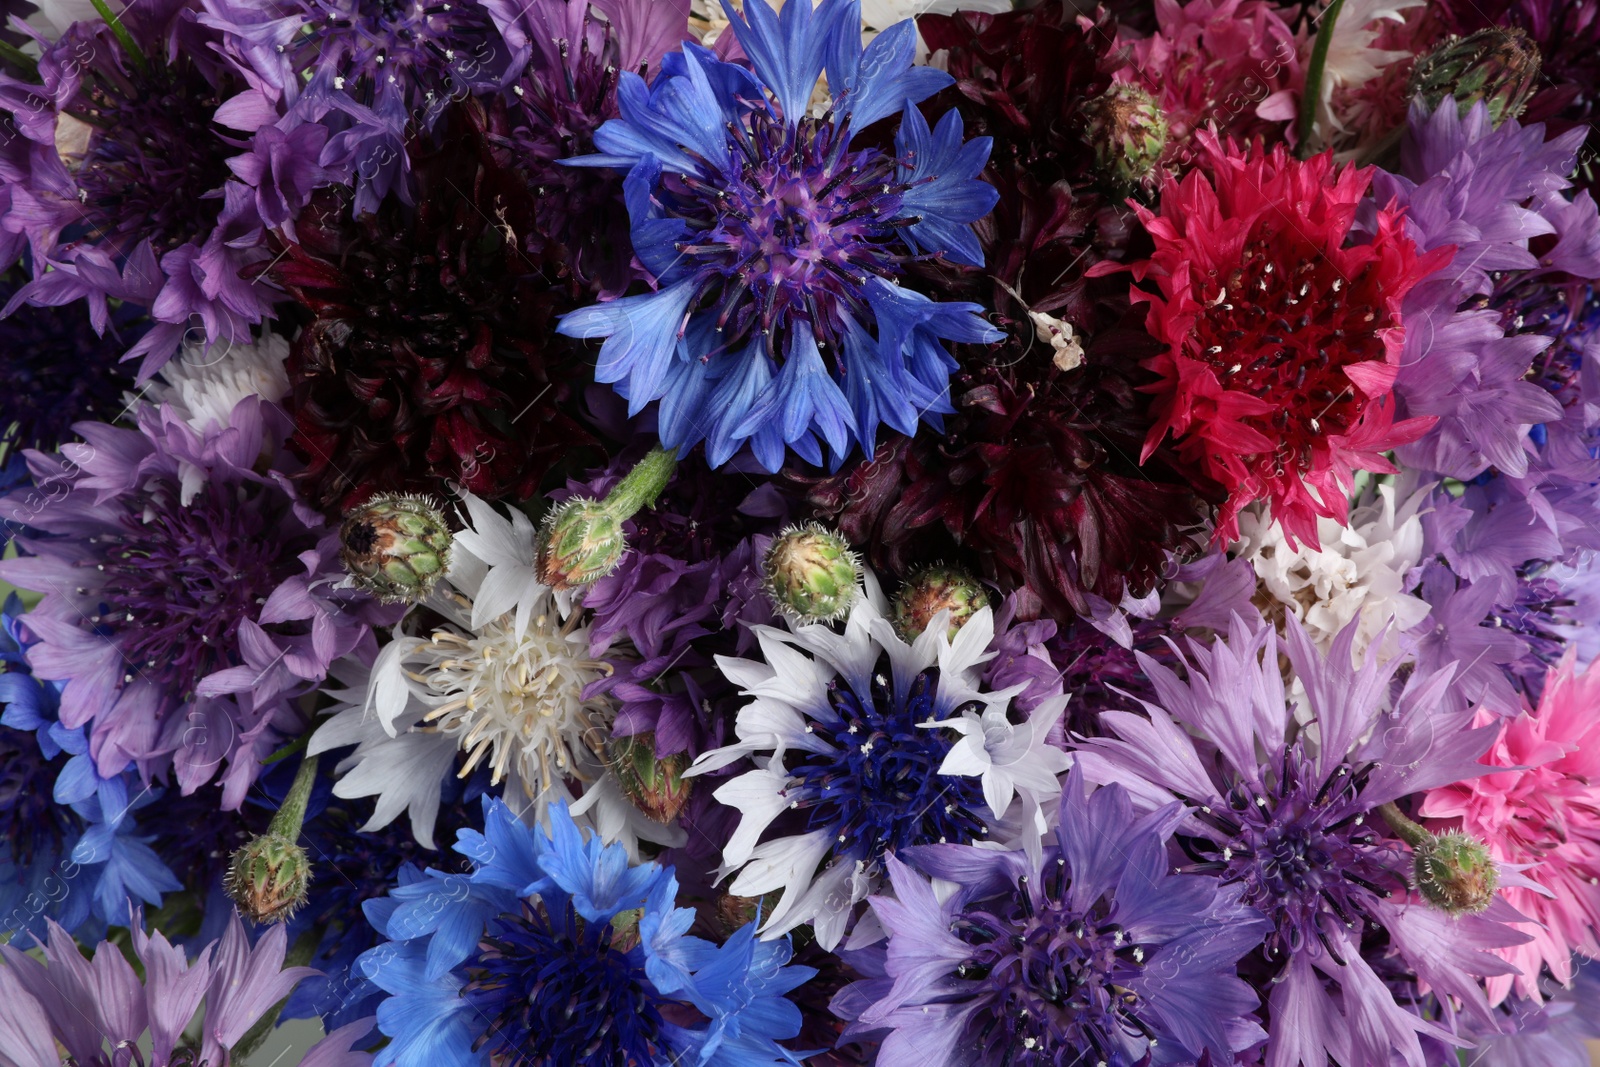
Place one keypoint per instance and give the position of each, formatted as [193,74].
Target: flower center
[557,990]
[370,43]
[1307,859]
[877,787]
[793,231]
[1054,980]
[153,155]
[517,700]
[178,580]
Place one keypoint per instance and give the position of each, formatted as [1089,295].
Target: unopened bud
[1456,874]
[1128,131]
[811,573]
[583,540]
[656,785]
[582,543]
[1453,871]
[269,874]
[936,589]
[396,547]
[1498,66]
[268,877]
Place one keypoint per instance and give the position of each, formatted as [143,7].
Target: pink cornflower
[1543,810]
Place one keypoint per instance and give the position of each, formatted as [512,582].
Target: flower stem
[1408,831]
[120,32]
[1314,71]
[292,814]
[641,486]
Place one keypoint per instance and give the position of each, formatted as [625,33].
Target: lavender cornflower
[99,1009]
[1293,823]
[190,596]
[1094,952]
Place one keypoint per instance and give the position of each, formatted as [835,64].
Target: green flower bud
[1128,131]
[268,875]
[1455,873]
[656,786]
[396,547]
[582,543]
[1498,66]
[811,573]
[1452,871]
[583,540]
[935,589]
[267,878]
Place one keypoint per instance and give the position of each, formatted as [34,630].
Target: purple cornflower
[686,591]
[98,1009]
[1490,192]
[1291,822]
[368,74]
[125,192]
[1093,952]
[190,598]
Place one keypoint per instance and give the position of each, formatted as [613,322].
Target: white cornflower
[864,744]
[1359,572]
[203,383]
[1352,58]
[502,689]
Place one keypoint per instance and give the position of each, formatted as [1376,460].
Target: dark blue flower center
[154,156]
[792,232]
[558,992]
[177,581]
[1053,980]
[57,371]
[877,787]
[1304,854]
[30,822]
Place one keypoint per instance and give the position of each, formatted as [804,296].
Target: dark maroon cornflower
[565,91]
[430,360]
[1037,480]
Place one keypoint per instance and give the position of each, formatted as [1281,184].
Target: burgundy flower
[1038,478]
[430,357]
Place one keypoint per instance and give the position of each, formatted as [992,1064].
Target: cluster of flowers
[946,534]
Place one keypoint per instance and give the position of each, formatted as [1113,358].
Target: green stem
[120,32]
[292,815]
[1410,832]
[29,66]
[1314,70]
[641,486]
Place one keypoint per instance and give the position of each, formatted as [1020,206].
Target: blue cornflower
[777,318]
[554,952]
[69,848]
